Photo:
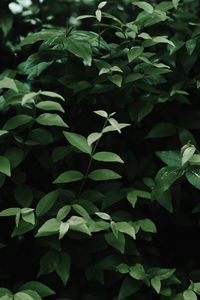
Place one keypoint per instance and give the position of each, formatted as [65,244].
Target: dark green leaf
[103,174]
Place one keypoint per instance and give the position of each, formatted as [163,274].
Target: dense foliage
[99,161]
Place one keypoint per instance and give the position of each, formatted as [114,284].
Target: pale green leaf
[64,227]
[39,287]
[188,153]
[102,4]
[193,176]
[101,113]
[107,157]
[127,228]
[12,211]
[46,203]
[137,272]
[103,216]
[156,284]
[116,79]
[98,14]
[49,227]
[147,225]
[63,212]
[175,3]
[189,295]
[2,132]
[51,94]
[22,296]
[93,137]
[117,243]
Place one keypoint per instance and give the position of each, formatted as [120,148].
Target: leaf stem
[90,161]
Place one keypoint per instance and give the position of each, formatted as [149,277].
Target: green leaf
[163,129]
[8,83]
[103,174]
[29,218]
[39,287]
[49,227]
[93,137]
[134,53]
[78,141]
[137,272]
[166,177]
[69,176]
[115,124]
[46,203]
[64,227]
[49,105]
[24,195]
[6,22]
[22,228]
[156,284]
[22,296]
[41,136]
[111,128]
[12,211]
[175,3]
[117,243]
[81,211]
[171,158]
[147,225]
[188,153]
[162,274]
[63,212]
[193,176]
[51,120]
[122,268]
[125,227]
[79,48]
[17,121]
[63,268]
[145,6]
[51,94]
[189,295]
[129,287]
[5,166]
[190,46]
[162,39]
[116,79]
[133,195]
[49,262]
[5,294]
[15,156]
[2,132]
[133,77]
[107,157]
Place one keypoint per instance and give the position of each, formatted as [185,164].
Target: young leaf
[129,287]
[51,120]
[22,296]
[103,216]
[133,77]
[102,4]
[133,195]
[63,212]
[49,105]
[188,153]
[103,174]
[101,113]
[93,137]
[69,176]
[145,6]
[147,225]
[98,14]
[17,121]
[107,157]
[5,166]
[63,268]
[29,218]
[78,141]
[115,124]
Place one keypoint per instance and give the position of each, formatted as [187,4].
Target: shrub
[99,162]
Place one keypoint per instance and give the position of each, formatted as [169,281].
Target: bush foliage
[99,161]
